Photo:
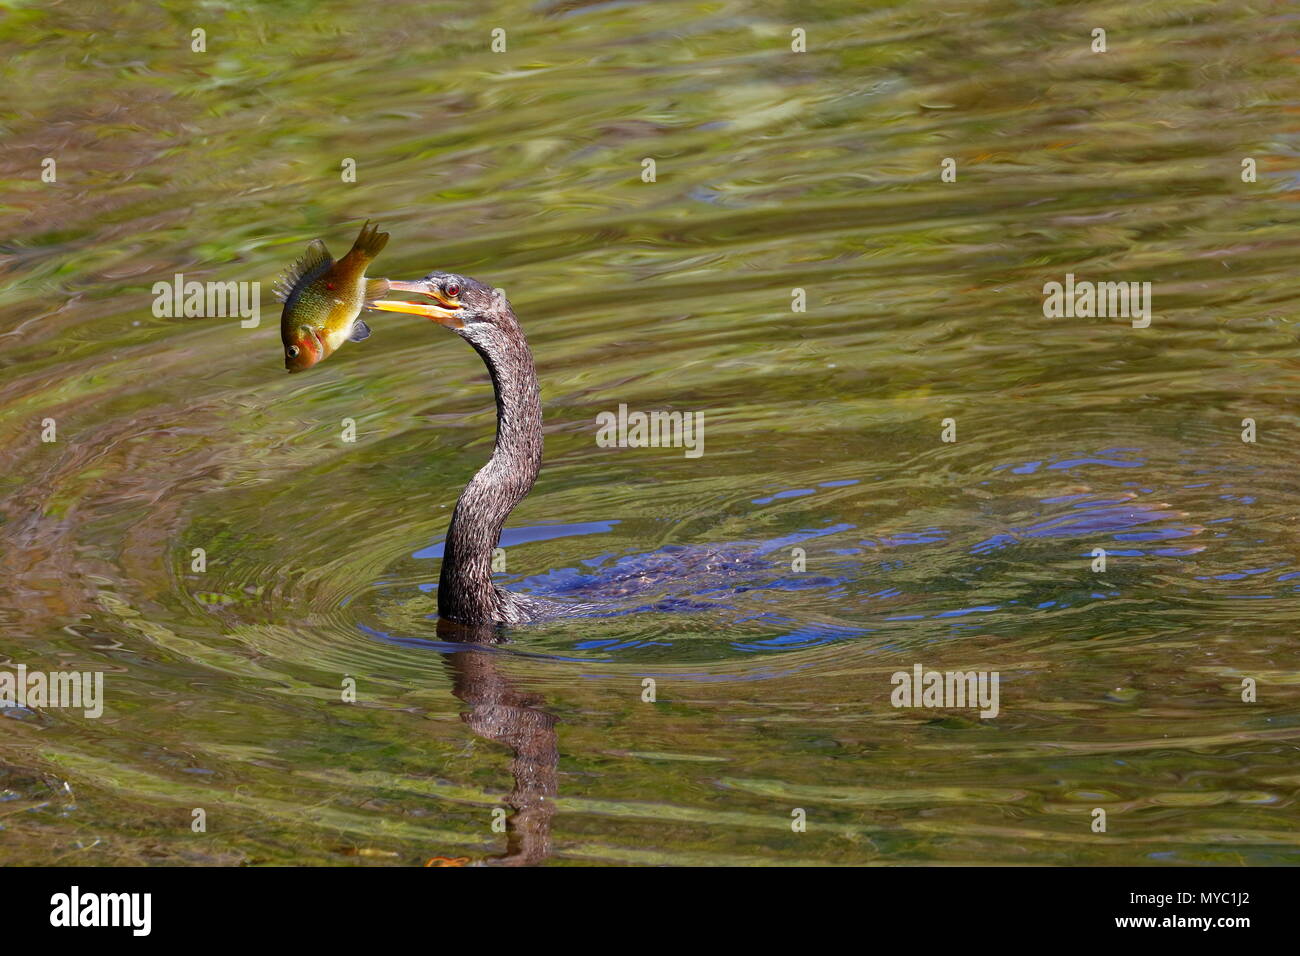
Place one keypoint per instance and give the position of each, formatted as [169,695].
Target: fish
[323,299]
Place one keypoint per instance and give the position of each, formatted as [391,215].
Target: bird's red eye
[452,289]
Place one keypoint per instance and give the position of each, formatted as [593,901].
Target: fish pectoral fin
[376,289]
[360,331]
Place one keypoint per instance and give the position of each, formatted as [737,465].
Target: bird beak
[444,313]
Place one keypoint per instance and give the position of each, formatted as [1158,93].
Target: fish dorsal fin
[360,332]
[376,289]
[312,263]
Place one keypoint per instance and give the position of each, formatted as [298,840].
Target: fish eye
[451,288]
[291,351]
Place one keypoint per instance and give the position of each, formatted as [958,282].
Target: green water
[1120,690]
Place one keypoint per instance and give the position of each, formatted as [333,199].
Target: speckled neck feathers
[465,589]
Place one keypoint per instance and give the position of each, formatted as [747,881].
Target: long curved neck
[465,589]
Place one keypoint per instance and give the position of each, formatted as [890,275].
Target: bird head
[464,305]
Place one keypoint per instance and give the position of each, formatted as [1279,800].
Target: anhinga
[469,604]
[483,317]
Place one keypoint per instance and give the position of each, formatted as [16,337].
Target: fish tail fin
[370,242]
[376,289]
[316,259]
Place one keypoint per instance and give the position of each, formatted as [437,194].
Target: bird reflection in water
[500,711]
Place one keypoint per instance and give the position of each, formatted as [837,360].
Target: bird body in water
[483,317]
